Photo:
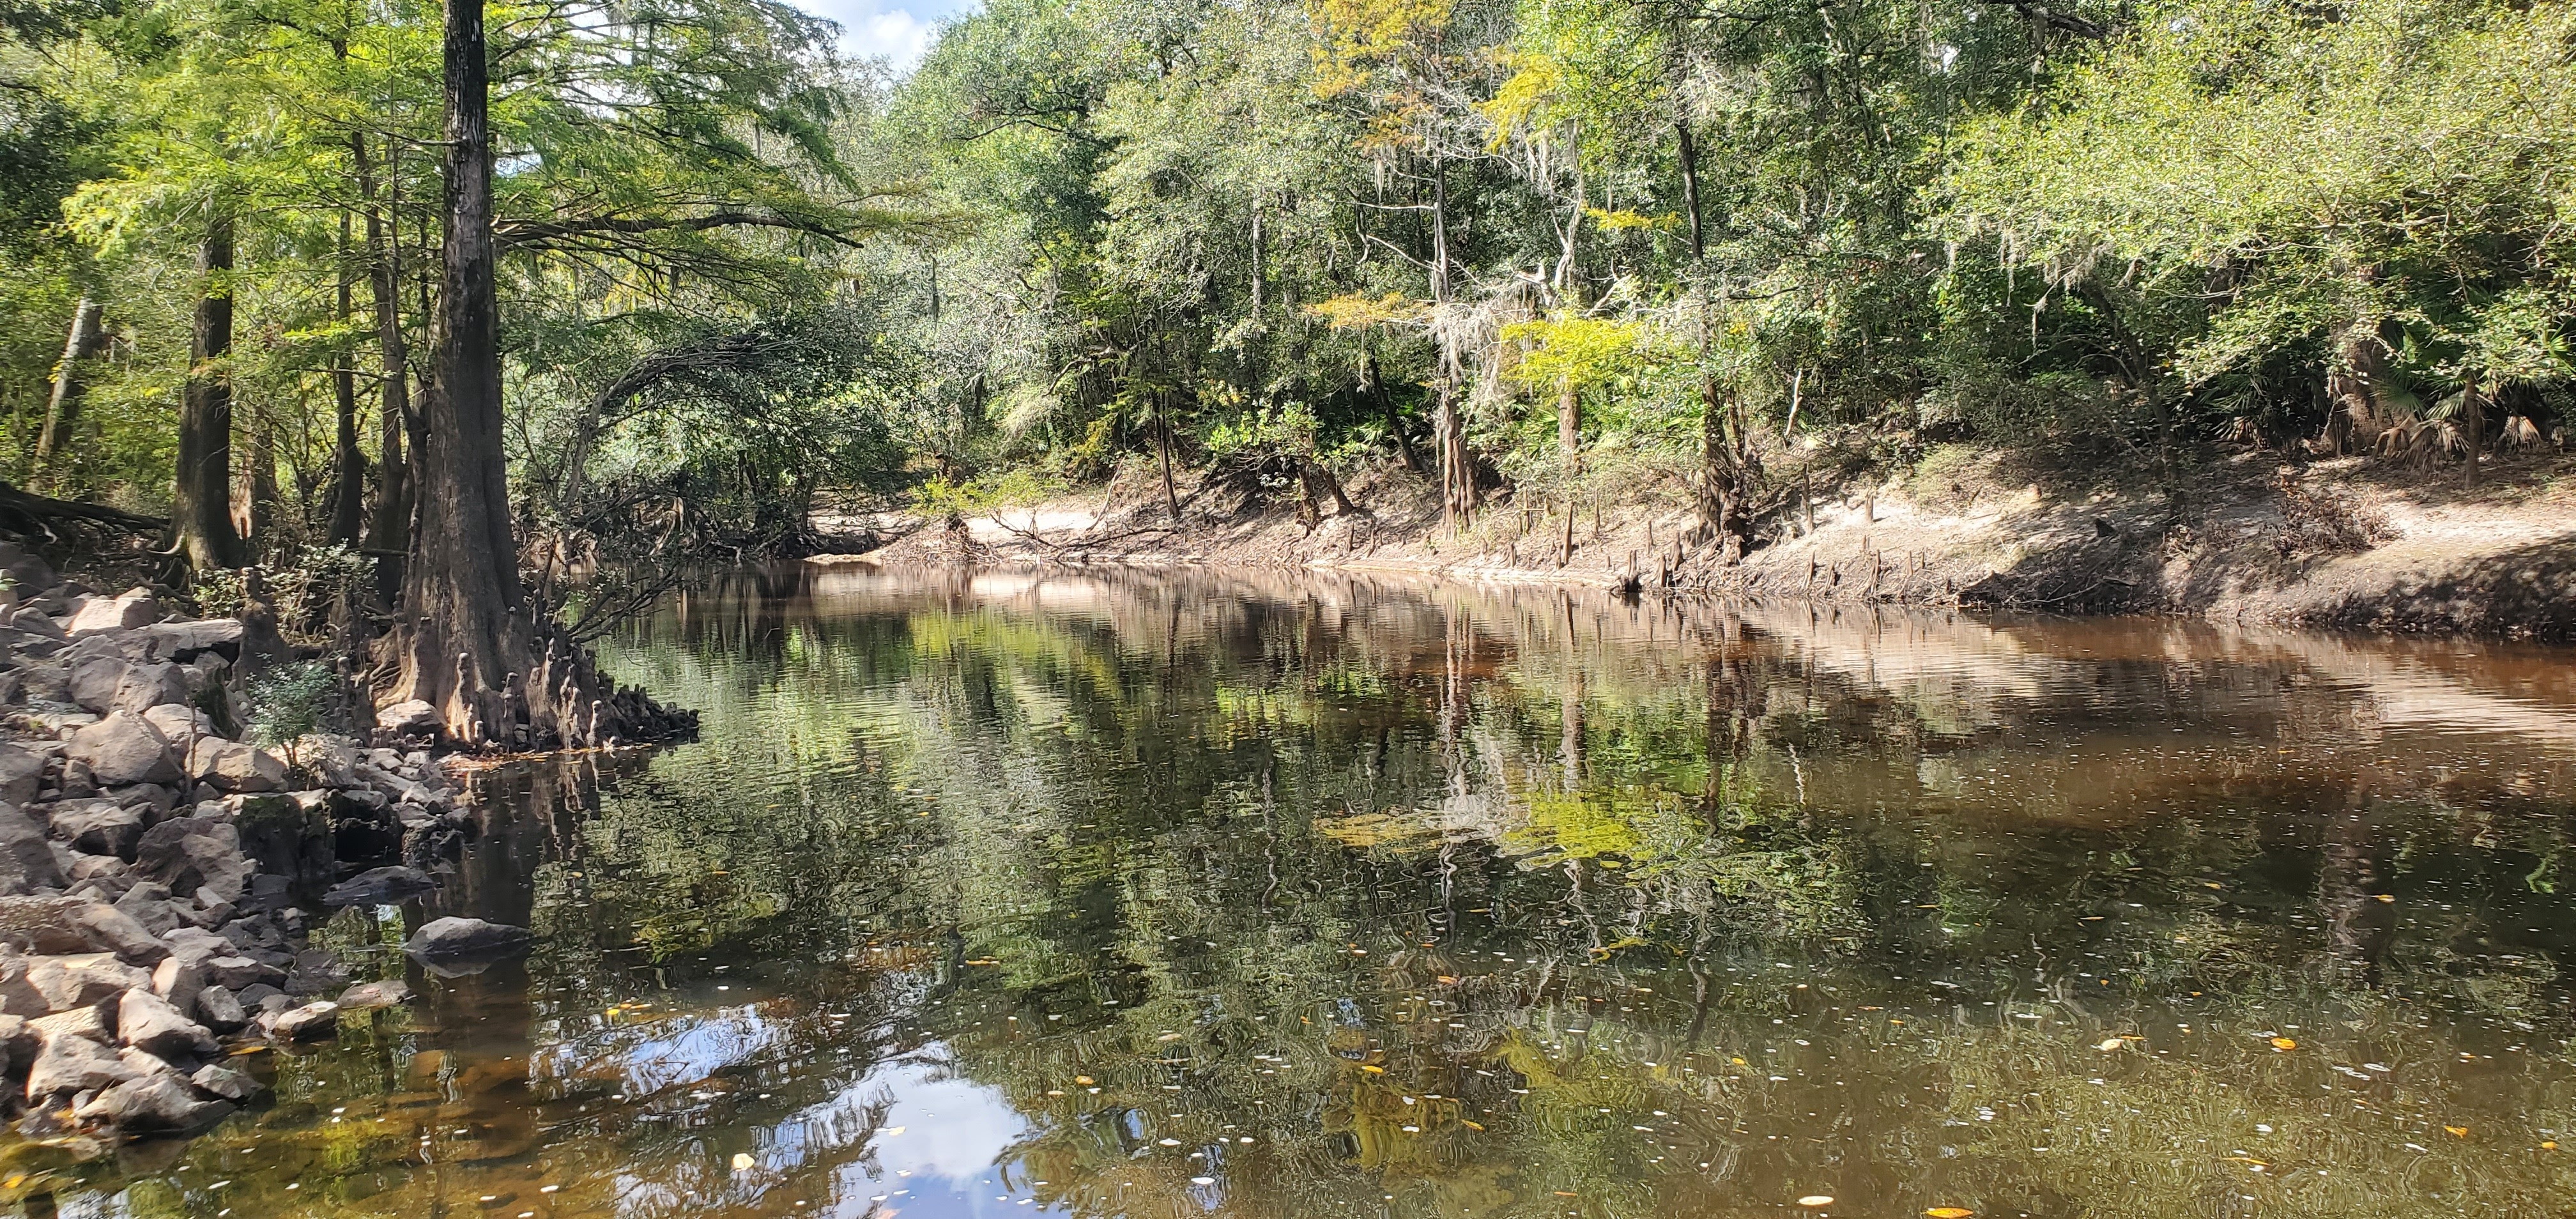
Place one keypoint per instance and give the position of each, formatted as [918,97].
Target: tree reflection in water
[1274,896]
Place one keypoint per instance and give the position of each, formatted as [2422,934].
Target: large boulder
[22,773]
[288,835]
[72,1059]
[124,748]
[133,608]
[99,827]
[108,683]
[380,887]
[27,860]
[231,766]
[186,641]
[181,724]
[219,1008]
[154,1102]
[459,944]
[62,926]
[193,853]
[84,980]
[147,1022]
[409,718]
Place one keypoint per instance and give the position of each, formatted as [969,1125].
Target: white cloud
[899,31]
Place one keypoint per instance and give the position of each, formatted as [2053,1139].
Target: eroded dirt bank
[2346,543]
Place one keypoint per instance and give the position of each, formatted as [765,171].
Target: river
[1265,895]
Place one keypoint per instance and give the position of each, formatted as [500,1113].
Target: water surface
[1272,896]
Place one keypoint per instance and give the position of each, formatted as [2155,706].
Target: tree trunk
[348,465]
[1163,427]
[202,490]
[1457,480]
[388,533]
[88,340]
[1569,423]
[471,642]
[1374,386]
[259,483]
[1722,463]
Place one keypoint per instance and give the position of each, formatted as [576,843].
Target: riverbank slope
[2251,537]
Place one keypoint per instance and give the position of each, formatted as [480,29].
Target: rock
[332,760]
[85,980]
[124,748]
[314,1020]
[35,621]
[380,887]
[260,999]
[240,972]
[60,926]
[147,1022]
[106,684]
[411,718]
[71,1062]
[89,1022]
[181,723]
[87,867]
[220,1010]
[192,853]
[133,608]
[26,859]
[317,971]
[368,996]
[287,837]
[155,800]
[223,1081]
[235,767]
[98,827]
[158,1102]
[22,773]
[186,641]
[460,939]
[178,980]
[149,903]
[19,997]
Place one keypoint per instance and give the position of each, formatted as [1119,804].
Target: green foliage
[290,700]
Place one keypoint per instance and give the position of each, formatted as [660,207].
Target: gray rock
[35,621]
[459,939]
[220,1010]
[315,1020]
[124,748]
[235,767]
[70,1062]
[184,641]
[150,904]
[178,981]
[89,1022]
[57,926]
[368,996]
[191,854]
[380,887]
[147,1022]
[18,997]
[133,608]
[223,1081]
[22,773]
[410,718]
[85,980]
[26,860]
[98,827]
[317,971]
[157,1102]
[332,760]
[107,684]
[181,723]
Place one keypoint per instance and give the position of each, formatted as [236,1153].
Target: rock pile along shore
[155,869]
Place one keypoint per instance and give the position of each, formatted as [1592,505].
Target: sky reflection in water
[1276,896]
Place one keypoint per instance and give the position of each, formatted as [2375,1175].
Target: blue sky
[899,30]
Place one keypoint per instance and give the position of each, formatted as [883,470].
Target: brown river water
[1207,894]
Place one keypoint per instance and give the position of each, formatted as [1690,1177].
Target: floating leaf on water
[1168,1142]
[741,1161]
[1202,1180]
[2385,897]
[1817,1200]
[1949,1212]
[2458,1132]
[1373,1070]
[2109,1044]
[1084,1080]
[893,1130]
[1480,1125]
[2284,1043]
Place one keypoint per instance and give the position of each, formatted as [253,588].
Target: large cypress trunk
[202,486]
[390,531]
[471,642]
[348,468]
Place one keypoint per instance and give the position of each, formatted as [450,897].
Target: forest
[424,312]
